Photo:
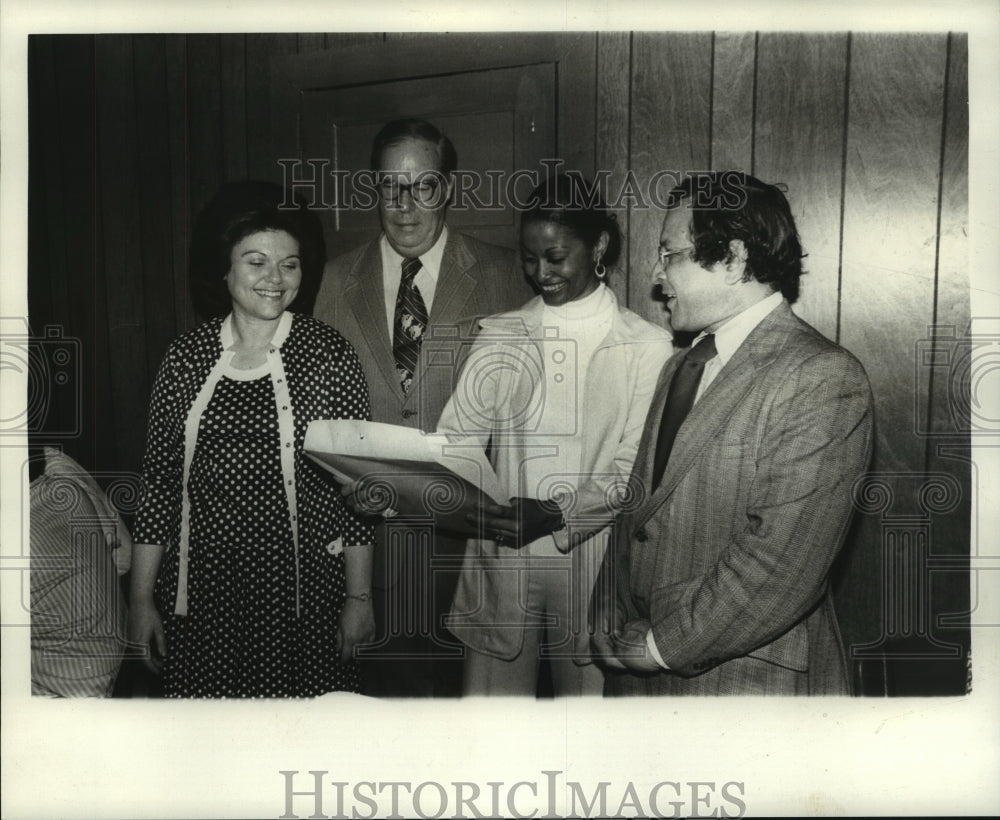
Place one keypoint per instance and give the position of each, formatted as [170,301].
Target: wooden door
[507,104]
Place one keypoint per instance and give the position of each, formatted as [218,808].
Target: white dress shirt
[728,339]
[425,280]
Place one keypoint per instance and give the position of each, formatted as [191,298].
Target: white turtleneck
[572,333]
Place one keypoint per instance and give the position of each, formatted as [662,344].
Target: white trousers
[550,633]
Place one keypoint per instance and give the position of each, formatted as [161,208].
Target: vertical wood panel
[260,50]
[948,453]
[612,142]
[76,193]
[733,100]
[577,92]
[671,119]
[64,290]
[156,208]
[206,161]
[178,128]
[800,142]
[233,93]
[890,222]
[48,295]
[953,306]
[122,239]
[890,219]
[75,160]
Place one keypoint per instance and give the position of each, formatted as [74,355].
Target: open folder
[410,472]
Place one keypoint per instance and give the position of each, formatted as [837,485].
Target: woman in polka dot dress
[251,578]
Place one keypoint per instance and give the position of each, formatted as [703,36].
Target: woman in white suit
[558,392]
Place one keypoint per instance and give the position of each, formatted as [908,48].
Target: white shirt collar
[733,333]
[430,262]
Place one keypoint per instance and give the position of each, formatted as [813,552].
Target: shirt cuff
[651,645]
[561,539]
[561,535]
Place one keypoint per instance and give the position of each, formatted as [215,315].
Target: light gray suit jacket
[475,280]
[729,557]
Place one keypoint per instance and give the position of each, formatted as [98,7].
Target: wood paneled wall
[130,136]
[869,132]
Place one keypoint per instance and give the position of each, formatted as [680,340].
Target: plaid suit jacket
[729,557]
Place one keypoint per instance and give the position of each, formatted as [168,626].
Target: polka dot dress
[261,616]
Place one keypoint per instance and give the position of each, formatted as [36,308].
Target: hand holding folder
[416,475]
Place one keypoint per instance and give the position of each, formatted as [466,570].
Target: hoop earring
[599,270]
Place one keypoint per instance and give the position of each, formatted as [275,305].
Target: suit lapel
[716,405]
[454,288]
[454,285]
[643,469]
[367,283]
[707,417]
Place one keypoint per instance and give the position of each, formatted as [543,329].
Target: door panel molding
[574,55]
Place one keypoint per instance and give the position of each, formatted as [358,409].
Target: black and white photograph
[403,408]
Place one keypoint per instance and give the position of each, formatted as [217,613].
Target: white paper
[379,441]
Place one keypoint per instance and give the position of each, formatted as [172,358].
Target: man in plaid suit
[717,581]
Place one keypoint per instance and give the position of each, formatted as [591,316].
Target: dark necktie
[408,324]
[680,400]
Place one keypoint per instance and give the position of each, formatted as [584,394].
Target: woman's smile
[559,263]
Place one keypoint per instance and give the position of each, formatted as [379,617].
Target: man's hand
[631,650]
[608,619]
[526,520]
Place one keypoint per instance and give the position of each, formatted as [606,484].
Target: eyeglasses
[423,191]
[667,256]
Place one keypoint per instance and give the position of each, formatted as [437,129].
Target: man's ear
[736,265]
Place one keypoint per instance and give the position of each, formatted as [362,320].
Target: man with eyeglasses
[717,580]
[409,302]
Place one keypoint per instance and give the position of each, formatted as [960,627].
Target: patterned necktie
[680,400]
[408,324]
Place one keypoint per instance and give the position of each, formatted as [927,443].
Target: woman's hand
[367,498]
[145,632]
[526,520]
[355,626]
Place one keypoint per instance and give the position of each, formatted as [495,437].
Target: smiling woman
[560,390]
[263,279]
[265,275]
[568,240]
[245,217]
[250,577]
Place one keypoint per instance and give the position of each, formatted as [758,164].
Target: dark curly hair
[568,199]
[238,210]
[727,205]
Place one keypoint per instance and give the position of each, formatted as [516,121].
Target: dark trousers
[414,584]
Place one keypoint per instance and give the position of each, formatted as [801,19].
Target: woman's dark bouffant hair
[568,199]
[238,210]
